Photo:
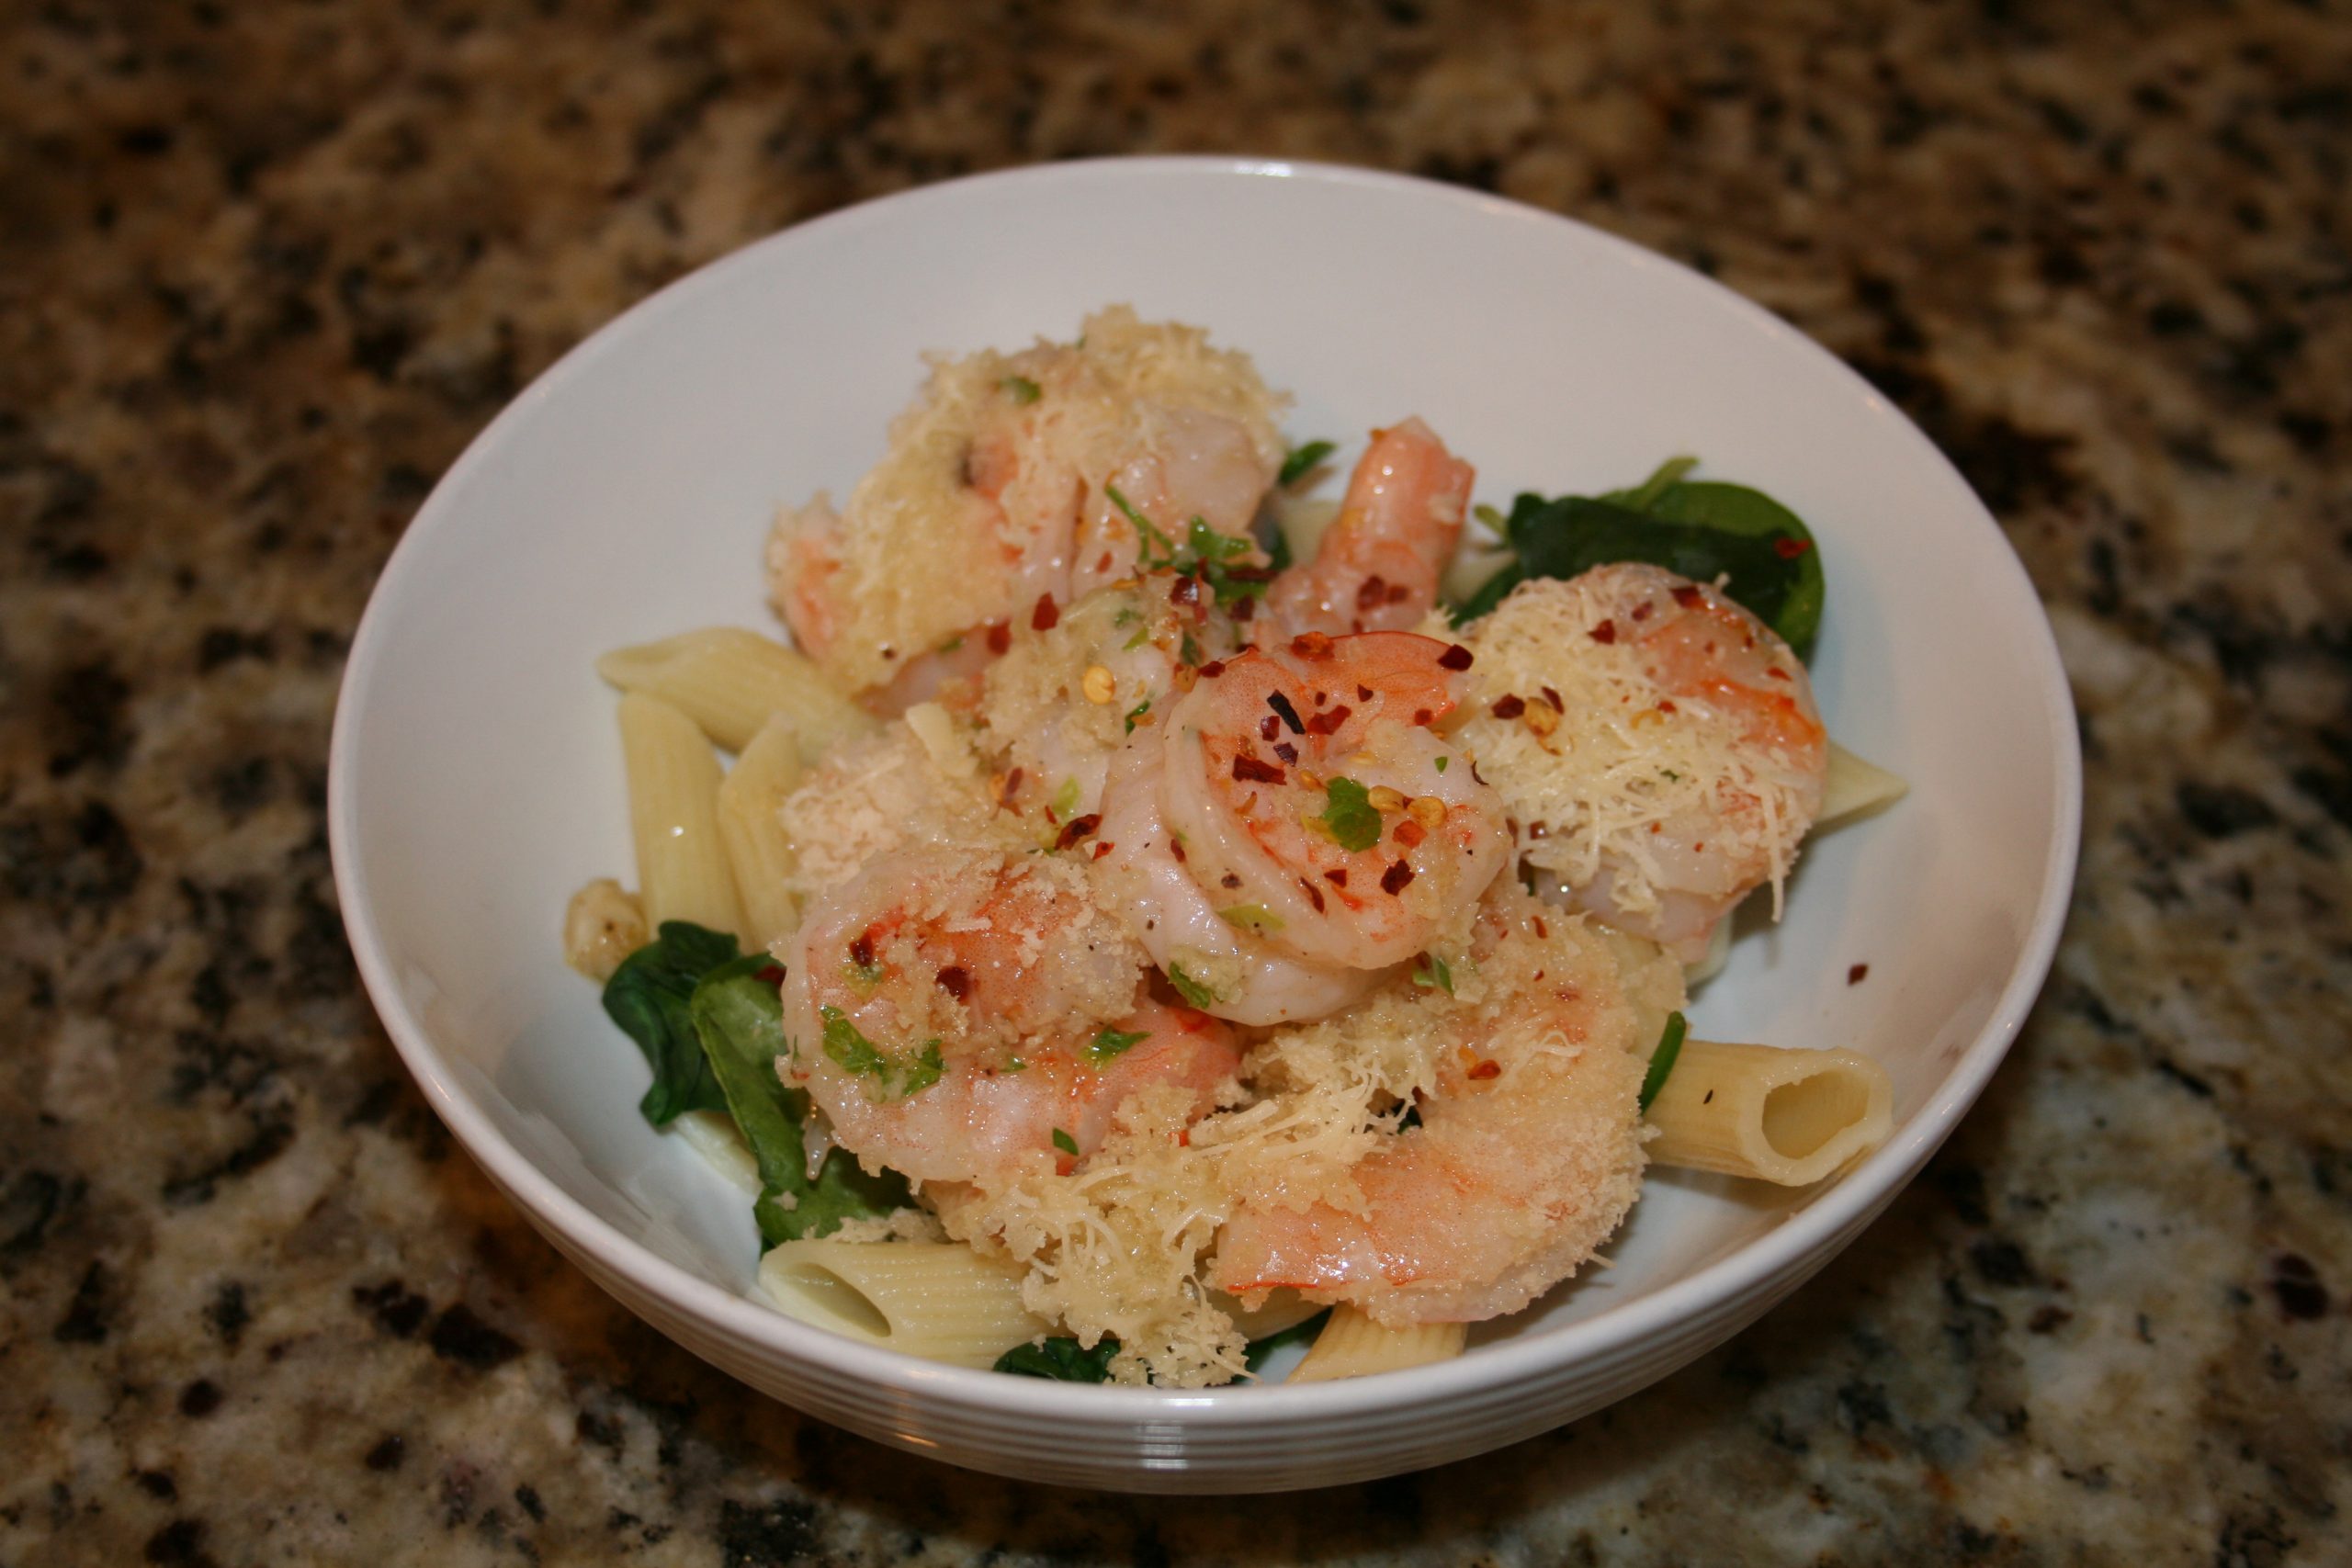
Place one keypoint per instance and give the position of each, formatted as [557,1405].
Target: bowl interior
[625,496]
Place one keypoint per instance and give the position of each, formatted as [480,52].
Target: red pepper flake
[1537,830]
[1012,787]
[1314,894]
[1249,770]
[1329,723]
[1077,827]
[1102,847]
[1184,591]
[1605,632]
[1176,848]
[1689,596]
[1044,617]
[956,981]
[1775,671]
[999,637]
[1269,726]
[1423,716]
[1363,693]
[1456,657]
[1788,547]
[1245,608]
[1409,832]
[1336,877]
[1371,592]
[1490,1068]
[1509,706]
[769,975]
[1394,880]
[1103,561]
[1542,933]
[1313,646]
[1857,974]
[1665,704]
[1229,881]
[861,950]
[1212,669]
[1286,712]
[1642,611]
[1286,752]
[1554,698]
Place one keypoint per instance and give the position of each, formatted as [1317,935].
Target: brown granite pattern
[264,270]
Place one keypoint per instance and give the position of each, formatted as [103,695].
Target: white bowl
[476,780]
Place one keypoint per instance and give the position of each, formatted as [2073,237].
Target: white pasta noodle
[731,682]
[1353,1345]
[751,799]
[1855,788]
[1786,1116]
[937,1299]
[714,1136]
[673,815]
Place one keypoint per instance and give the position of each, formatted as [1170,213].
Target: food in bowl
[1140,918]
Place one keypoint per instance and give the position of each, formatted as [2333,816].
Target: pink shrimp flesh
[1378,564]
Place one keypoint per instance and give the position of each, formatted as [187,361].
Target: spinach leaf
[647,995]
[1301,460]
[1061,1358]
[1701,530]
[1297,1334]
[740,1020]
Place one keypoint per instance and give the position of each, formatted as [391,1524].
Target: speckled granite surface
[264,270]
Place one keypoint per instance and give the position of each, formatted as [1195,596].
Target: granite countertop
[266,269]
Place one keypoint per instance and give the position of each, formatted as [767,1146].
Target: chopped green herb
[896,1078]
[1147,534]
[1490,517]
[1024,391]
[1251,918]
[1441,762]
[1061,1358]
[1065,1142]
[1301,461]
[1136,712]
[1124,617]
[1014,1065]
[1431,974]
[952,644]
[1211,555]
[1302,1333]
[1188,651]
[1143,635]
[1109,1043]
[1669,1046]
[1064,806]
[1671,776]
[864,974]
[1192,990]
[1349,813]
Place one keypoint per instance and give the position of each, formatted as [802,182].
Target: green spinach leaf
[647,995]
[1061,1358]
[740,1020]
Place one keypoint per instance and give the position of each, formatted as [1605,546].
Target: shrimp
[1316,803]
[1682,769]
[1378,564]
[957,1013]
[1527,1155]
[992,504]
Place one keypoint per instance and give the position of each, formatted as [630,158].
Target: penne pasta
[1353,1345]
[940,1301]
[1786,1116]
[1854,788]
[731,682]
[672,807]
[759,851]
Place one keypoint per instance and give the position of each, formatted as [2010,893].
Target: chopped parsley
[1669,1046]
[1441,762]
[894,1077]
[1137,712]
[1430,974]
[1062,1358]
[1206,554]
[1251,918]
[1064,806]
[1113,1043]
[1146,533]
[1192,990]
[864,974]
[1065,1142]
[1348,814]
[1022,390]
[952,644]
[1302,461]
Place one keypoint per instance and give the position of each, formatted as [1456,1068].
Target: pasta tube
[940,1301]
[1353,1345]
[759,851]
[1791,1117]
[730,681]
[1854,788]
[672,807]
